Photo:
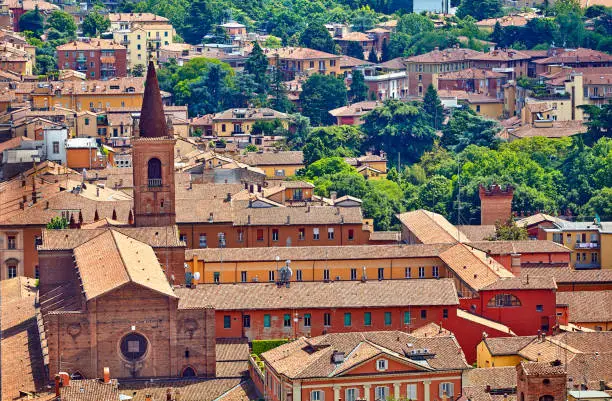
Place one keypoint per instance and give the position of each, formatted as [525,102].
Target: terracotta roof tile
[347,61]
[442,56]
[587,306]
[191,390]
[542,369]
[522,283]
[340,294]
[574,56]
[136,17]
[567,275]
[507,345]
[477,232]
[310,358]
[92,389]
[273,158]
[430,228]
[498,377]
[102,44]
[470,73]
[522,246]
[299,53]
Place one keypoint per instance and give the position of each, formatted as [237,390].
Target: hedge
[261,346]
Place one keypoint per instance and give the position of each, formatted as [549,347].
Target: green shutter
[367,319]
[266,320]
[406,317]
[347,319]
[387,318]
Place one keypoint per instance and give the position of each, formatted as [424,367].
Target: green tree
[316,36]
[354,49]
[399,127]
[199,19]
[138,70]
[413,24]
[509,231]
[278,91]
[364,18]
[600,204]
[250,148]
[57,223]
[599,122]
[433,107]
[272,42]
[479,9]
[466,128]
[63,23]
[94,24]
[32,21]
[320,94]
[358,90]
[257,65]
[372,56]
[45,65]
[324,142]
[385,53]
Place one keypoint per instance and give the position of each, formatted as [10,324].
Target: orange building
[364,366]
[83,153]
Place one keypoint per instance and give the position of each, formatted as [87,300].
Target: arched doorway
[189,372]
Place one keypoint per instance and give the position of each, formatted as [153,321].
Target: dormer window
[130,89]
[382,365]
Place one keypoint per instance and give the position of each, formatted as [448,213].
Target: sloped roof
[507,345]
[519,246]
[294,157]
[311,358]
[431,228]
[587,306]
[522,283]
[313,295]
[124,260]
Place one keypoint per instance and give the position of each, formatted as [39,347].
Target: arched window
[547,398]
[77,376]
[154,172]
[503,301]
[134,346]
[189,372]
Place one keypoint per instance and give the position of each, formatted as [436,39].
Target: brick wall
[495,204]
[532,387]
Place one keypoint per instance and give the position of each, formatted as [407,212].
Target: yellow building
[143,34]
[89,95]
[590,242]
[501,351]
[240,121]
[278,165]
[301,61]
[560,104]
[370,166]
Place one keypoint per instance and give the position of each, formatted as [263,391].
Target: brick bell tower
[495,203]
[153,160]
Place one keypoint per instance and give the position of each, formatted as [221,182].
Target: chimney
[288,219]
[168,394]
[57,385]
[106,375]
[333,195]
[249,219]
[228,198]
[64,378]
[148,397]
[488,388]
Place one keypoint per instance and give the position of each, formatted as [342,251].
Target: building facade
[97,58]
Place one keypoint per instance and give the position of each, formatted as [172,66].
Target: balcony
[587,266]
[587,245]
[155,182]
[81,59]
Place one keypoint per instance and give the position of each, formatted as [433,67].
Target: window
[423,314]
[326,274]
[407,318]
[217,277]
[421,272]
[271,275]
[539,308]
[55,147]
[246,321]
[435,271]
[367,318]
[381,273]
[222,127]
[315,233]
[287,320]
[382,392]
[12,271]
[387,318]
[301,233]
[275,234]
[183,238]
[447,390]
[298,275]
[382,364]
[260,235]
[477,108]
[36,272]
[266,320]
[316,395]
[203,242]
[279,173]
[351,394]
[12,242]
[445,313]
[503,300]
[411,392]
[351,234]
[353,274]
[154,172]
[347,320]
[227,322]
[330,233]
[408,272]
[134,346]
[306,319]
[243,276]
[326,319]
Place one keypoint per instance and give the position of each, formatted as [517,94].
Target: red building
[97,58]
[525,304]
[510,62]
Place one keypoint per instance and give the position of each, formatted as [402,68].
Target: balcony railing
[587,266]
[587,245]
[155,182]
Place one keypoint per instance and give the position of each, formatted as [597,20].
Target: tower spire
[152,122]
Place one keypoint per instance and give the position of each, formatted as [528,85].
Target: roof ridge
[119,250]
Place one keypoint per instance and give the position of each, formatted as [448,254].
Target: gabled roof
[507,345]
[431,228]
[312,357]
[112,259]
[587,306]
[536,219]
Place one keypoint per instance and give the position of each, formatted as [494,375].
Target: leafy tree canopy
[321,93]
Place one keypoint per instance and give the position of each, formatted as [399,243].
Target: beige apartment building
[143,34]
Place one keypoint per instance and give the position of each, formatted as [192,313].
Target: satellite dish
[196,275]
